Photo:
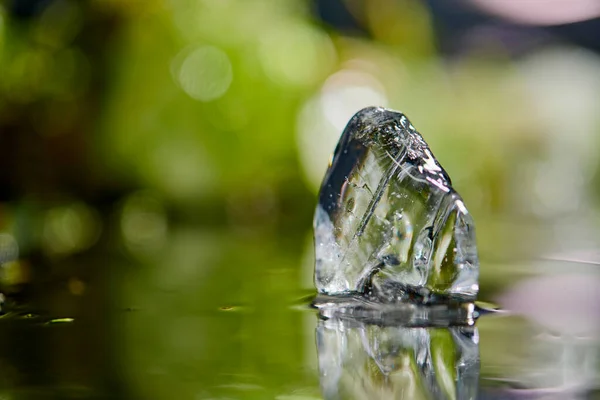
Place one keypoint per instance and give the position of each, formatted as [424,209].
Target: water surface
[222,317]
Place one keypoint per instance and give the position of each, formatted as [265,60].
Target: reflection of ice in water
[368,361]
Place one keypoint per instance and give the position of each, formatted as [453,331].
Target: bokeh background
[160,159]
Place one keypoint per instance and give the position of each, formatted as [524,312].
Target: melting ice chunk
[388,222]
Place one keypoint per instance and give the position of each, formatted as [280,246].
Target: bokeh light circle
[296,54]
[206,73]
[323,117]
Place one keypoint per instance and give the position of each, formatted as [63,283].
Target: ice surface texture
[388,223]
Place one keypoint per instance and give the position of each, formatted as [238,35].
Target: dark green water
[227,317]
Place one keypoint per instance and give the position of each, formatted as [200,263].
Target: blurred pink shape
[541,12]
[565,303]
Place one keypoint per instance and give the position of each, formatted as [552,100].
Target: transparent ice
[371,361]
[388,223]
